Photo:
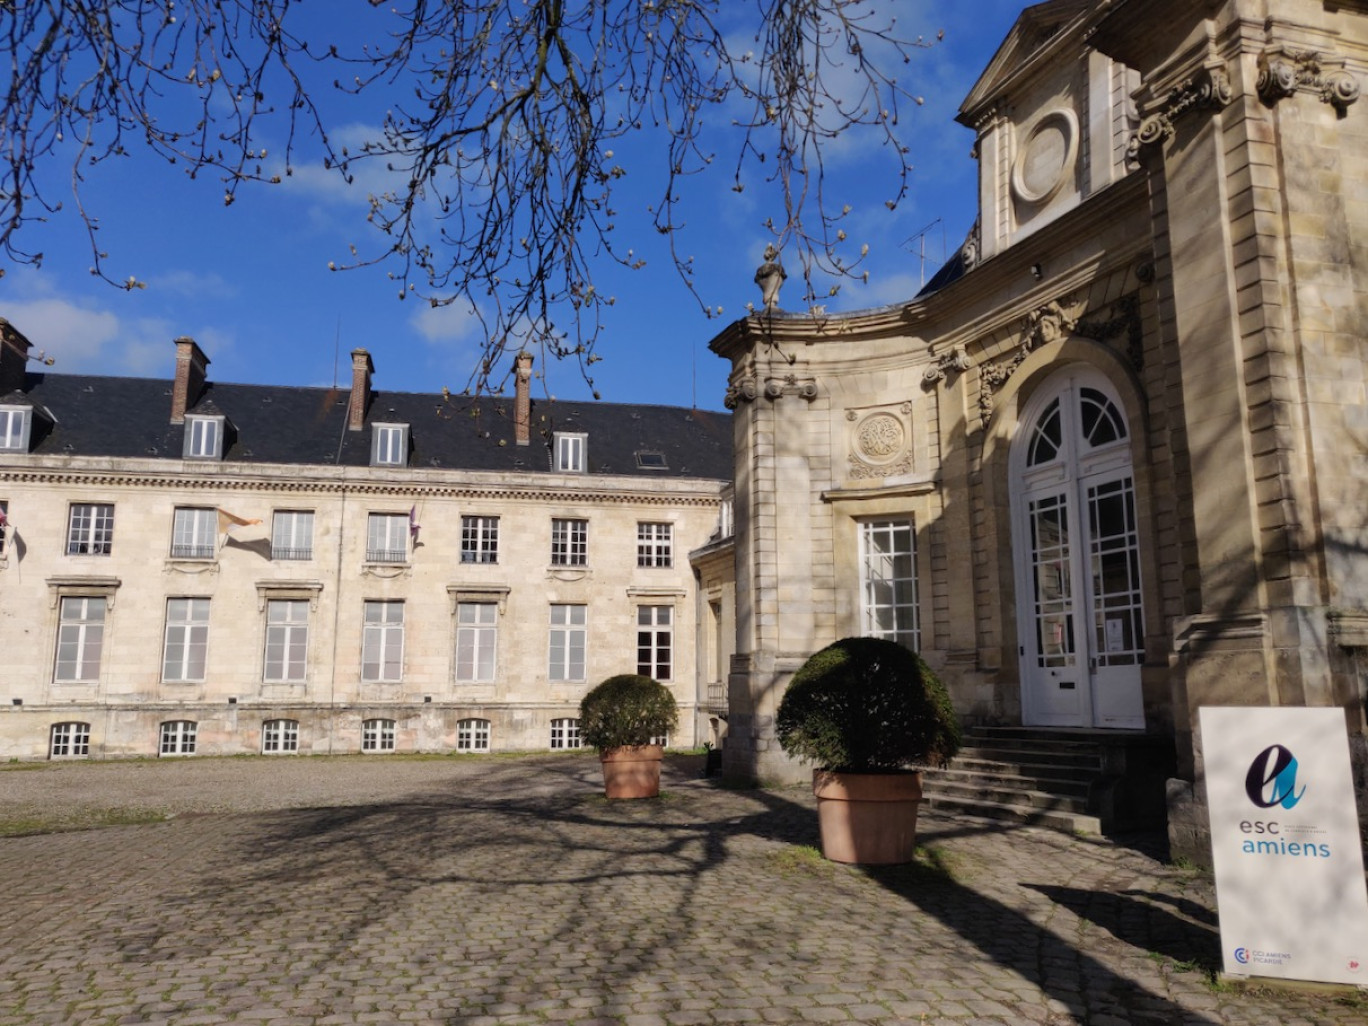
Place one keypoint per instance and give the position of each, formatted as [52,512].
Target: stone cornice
[628,491]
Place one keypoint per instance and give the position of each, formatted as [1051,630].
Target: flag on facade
[414,526]
[228,522]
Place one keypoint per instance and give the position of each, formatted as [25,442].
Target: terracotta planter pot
[867,818]
[632,771]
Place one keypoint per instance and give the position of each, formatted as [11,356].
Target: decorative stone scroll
[747,390]
[1284,72]
[1125,317]
[954,359]
[1209,88]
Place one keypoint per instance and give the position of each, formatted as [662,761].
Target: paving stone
[505,891]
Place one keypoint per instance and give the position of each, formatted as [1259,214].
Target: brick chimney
[362,369]
[13,358]
[522,398]
[192,368]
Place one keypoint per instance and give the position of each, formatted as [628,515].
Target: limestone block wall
[130,698]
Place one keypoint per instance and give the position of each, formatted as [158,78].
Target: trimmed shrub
[628,709]
[867,705]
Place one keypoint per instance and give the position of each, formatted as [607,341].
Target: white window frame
[572,449]
[479,539]
[387,538]
[377,735]
[90,529]
[389,445]
[194,533]
[16,426]
[287,634]
[382,641]
[185,645]
[69,740]
[472,735]
[889,605]
[565,734]
[655,544]
[292,534]
[477,642]
[655,641]
[80,630]
[568,646]
[569,541]
[279,737]
[177,737]
[203,438]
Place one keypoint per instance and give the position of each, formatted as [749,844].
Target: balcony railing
[386,556]
[284,553]
[192,551]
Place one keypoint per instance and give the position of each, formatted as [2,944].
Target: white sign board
[1285,844]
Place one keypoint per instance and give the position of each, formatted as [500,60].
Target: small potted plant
[867,712]
[623,717]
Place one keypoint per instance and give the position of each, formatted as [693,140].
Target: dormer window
[389,445]
[570,452]
[15,425]
[203,438]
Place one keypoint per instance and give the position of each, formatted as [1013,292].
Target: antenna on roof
[920,239]
[337,343]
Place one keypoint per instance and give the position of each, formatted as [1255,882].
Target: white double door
[1077,556]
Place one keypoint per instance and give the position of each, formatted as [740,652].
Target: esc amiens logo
[1272,779]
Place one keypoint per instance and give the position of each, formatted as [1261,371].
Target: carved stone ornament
[747,390]
[1284,72]
[880,444]
[955,359]
[1210,88]
[1124,318]
[1040,327]
[969,252]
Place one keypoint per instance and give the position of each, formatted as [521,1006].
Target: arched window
[472,736]
[279,737]
[377,736]
[69,741]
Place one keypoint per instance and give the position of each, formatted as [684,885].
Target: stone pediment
[1028,40]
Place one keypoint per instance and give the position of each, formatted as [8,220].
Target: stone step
[1054,819]
[1013,778]
[1027,798]
[1072,761]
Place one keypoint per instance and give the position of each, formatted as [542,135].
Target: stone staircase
[1054,779]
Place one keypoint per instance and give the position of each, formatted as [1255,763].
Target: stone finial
[769,276]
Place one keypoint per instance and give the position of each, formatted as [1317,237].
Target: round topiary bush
[628,709]
[867,705]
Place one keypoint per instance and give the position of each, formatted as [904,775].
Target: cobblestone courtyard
[501,890]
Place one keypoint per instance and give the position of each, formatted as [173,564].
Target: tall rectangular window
[194,533]
[292,534]
[476,641]
[569,542]
[655,642]
[568,640]
[387,538]
[479,539]
[80,640]
[90,529]
[655,545]
[888,581]
[187,640]
[382,643]
[390,445]
[287,641]
[570,452]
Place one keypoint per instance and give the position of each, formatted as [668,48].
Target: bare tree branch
[499,138]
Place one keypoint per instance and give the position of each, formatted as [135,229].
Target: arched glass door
[1077,557]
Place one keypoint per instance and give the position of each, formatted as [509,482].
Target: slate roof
[273,424]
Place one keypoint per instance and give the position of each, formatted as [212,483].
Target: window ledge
[459,593]
[307,590]
[81,586]
[387,571]
[568,573]
[186,565]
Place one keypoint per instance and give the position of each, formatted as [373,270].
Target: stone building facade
[192,567]
[1112,464]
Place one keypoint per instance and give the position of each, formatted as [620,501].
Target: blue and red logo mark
[1242,956]
[1272,779]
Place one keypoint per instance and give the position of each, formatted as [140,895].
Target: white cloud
[451,325]
[82,340]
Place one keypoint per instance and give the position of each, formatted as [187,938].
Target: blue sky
[251,282]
